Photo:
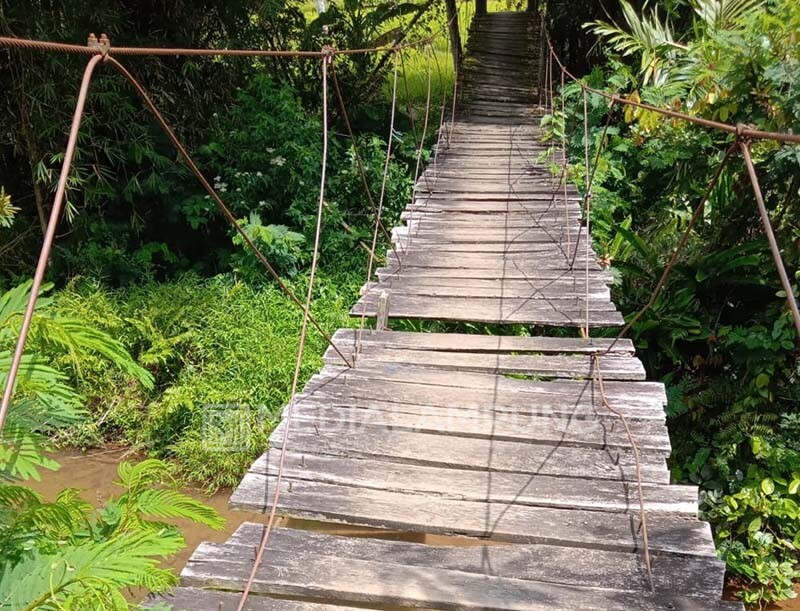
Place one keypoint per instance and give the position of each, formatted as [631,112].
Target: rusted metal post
[49,236]
[773,242]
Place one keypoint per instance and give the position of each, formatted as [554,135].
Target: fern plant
[66,555]
[45,399]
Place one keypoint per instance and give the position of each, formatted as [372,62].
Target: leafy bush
[758,526]
[720,334]
[281,247]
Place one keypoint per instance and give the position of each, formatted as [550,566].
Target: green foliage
[134,213]
[7,210]
[45,400]
[279,245]
[222,352]
[64,554]
[720,333]
[758,525]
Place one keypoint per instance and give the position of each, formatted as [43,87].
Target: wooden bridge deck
[480,472]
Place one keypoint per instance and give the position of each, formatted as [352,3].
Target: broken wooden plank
[694,576]
[510,522]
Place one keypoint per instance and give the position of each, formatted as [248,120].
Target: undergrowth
[214,346]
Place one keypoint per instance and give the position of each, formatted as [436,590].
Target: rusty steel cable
[357,155]
[425,122]
[409,108]
[104,47]
[287,418]
[173,138]
[598,377]
[49,237]
[587,207]
[562,179]
[436,149]
[421,144]
[100,49]
[590,174]
[684,239]
[744,146]
[381,201]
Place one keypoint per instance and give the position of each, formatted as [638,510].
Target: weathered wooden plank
[357,581]
[436,222]
[472,453]
[650,436]
[557,236]
[570,566]
[471,485]
[490,260]
[614,531]
[488,310]
[618,393]
[614,367]
[481,343]
[461,287]
[193,599]
[334,396]
[413,398]
[483,274]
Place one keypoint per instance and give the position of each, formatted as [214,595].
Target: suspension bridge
[449,470]
[452,471]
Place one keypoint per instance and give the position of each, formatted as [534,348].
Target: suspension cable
[587,207]
[562,181]
[357,155]
[49,237]
[598,377]
[381,200]
[744,146]
[590,174]
[103,47]
[326,60]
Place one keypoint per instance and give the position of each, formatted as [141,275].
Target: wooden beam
[480,7]
[455,32]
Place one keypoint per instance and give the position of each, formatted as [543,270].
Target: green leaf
[767,486]
[755,525]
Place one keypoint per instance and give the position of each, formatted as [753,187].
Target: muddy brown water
[95,472]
